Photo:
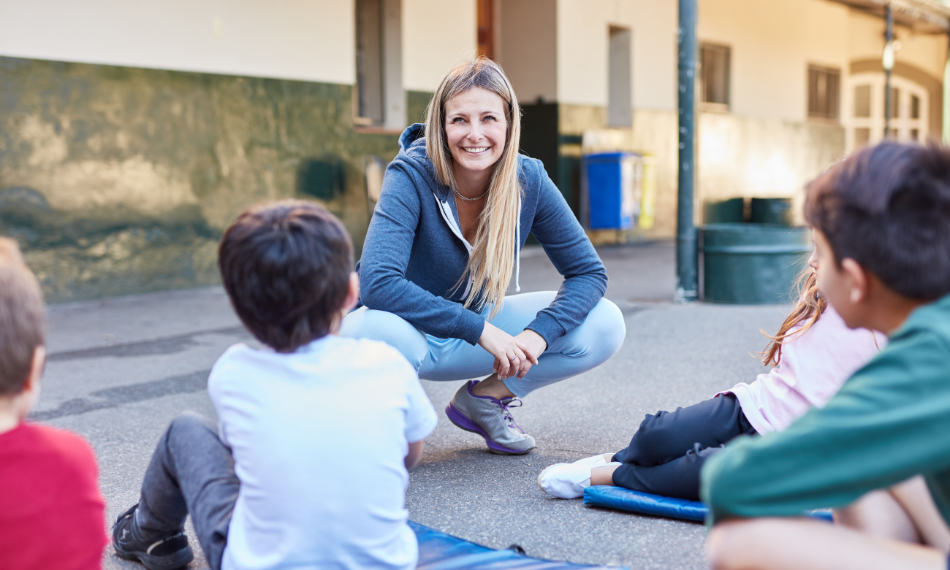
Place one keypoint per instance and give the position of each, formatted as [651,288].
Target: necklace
[466,198]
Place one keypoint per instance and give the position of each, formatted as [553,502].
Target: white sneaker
[568,480]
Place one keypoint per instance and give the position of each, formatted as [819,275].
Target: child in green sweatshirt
[879,451]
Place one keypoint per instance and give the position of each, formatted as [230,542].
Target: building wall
[117,180]
[287,39]
[772,43]
[762,157]
[436,36]
[582,34]
[528,42]
[131,134]
[866,42]
[764,146]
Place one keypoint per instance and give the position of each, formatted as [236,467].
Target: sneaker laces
[506,403]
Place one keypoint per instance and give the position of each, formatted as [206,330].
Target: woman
[456,206]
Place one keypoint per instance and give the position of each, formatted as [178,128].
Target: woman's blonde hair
[808,311]
[493,253]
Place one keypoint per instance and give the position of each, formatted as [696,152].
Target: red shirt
[51,511]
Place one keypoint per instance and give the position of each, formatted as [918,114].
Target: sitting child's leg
[904,512]
[677,478]
[795,543]
[914,496]
[664,457]
[669,435]
[191,471]
[879,515]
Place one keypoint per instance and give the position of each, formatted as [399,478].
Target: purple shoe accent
[459,419]
[504,403]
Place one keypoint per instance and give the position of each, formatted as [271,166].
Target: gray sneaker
[491,419]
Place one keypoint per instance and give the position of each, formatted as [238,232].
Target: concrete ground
[120,369]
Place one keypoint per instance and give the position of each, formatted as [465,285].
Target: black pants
[191,472]
[667,453]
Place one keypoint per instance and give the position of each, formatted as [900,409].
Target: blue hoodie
[414,253]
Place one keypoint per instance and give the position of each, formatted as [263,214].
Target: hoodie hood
[412,151]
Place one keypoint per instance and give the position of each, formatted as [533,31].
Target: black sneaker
[168,553]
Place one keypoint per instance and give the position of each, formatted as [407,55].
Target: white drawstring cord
[518,249]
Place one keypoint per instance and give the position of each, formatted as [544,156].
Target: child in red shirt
[51,511]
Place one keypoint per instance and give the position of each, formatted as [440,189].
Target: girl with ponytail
[812,355]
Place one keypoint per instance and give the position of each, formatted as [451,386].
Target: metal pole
[687,256]
[888,65]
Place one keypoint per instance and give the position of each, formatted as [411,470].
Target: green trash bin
[752,263]
[771,211]
[724,211]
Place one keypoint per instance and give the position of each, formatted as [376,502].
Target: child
[307,468]
[881,223]
[813,353]
[51,512]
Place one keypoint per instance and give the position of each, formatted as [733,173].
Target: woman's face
[475,127]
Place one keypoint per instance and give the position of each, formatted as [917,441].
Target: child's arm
[420,416]
[888,423]
[415,453]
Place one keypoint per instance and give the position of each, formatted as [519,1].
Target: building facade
[131,134]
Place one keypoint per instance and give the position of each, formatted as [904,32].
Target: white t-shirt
[319,439]
[813,367]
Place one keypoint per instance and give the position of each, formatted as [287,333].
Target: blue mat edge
[425,533]
[657,505]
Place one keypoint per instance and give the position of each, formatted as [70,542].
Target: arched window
[864,110]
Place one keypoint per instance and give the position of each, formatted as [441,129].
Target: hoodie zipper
[449,217]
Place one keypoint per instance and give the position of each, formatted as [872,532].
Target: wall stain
[119,180]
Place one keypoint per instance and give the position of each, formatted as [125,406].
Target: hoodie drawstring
[518,248]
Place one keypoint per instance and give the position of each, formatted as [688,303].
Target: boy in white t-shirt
[308,466]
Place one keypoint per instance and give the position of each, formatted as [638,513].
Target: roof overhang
[922,16]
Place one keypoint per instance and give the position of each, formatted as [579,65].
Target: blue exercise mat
[656,505]
[440,551]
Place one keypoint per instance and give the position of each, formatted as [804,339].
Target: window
[619,96]
[714,74]
[895,103]
[863,110]
[861,137]
[862,101]
[380,98]
[823,92]
[369,60]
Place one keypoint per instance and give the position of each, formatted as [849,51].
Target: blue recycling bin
[611,190]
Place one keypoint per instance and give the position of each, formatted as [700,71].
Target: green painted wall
[120,180]
[416,103]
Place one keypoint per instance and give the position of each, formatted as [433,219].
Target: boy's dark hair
[888,208]
[286,267]
[22,319]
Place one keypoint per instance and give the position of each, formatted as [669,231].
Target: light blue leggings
[586,347]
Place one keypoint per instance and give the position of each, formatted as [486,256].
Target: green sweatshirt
[889,422]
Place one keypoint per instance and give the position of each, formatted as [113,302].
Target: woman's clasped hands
[514,355]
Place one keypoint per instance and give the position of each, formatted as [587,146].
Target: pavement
[120,369]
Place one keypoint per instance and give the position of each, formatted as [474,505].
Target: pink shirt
[812,369]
